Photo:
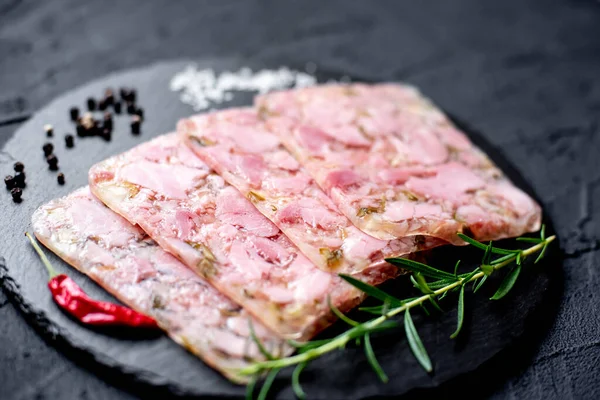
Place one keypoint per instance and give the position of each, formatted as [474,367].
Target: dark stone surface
[523,72]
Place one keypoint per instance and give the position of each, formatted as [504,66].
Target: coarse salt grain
[201,88]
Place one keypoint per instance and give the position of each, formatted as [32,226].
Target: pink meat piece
[229,243]
[410,156]
[288,196]
[81,230]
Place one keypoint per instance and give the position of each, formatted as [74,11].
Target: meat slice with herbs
[126,262]
[395,165]
[191,212]
[238,147]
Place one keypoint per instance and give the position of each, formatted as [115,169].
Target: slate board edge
[66,343]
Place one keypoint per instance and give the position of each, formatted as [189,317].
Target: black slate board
[159,363]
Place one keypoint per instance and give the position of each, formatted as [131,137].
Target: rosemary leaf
[250,388]
[385,308]
[415,343]
[340,314]
[543,232]
[480,284]
[264,390]
[435,303]
[263,350]
[296,381]
[371,290]
[421,283]
[541,255]
[469,276]
[530,240]
[414,282]
[495,250]
[502,259]
[376,310]
[456,269]
[424,269]
[434,285]
[384,326]
[507,283]
[382,309]
[373,360]
[487,254]
[313,344]
[460,312]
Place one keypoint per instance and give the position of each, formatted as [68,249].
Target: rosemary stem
[51,271]
[342,339]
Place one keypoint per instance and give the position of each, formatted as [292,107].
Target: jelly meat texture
[126,262]
[238,147]
[191,212]
[395,165]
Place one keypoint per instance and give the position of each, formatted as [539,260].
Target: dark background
[526,73]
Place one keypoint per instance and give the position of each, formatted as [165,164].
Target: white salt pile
[201,88]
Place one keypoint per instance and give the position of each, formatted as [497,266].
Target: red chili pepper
[69,296]
[73,300]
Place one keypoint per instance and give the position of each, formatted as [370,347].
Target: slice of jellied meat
[126,262]
[395,165]
[191,212]
[237,146]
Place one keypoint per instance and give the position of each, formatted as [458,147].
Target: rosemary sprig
[432,292]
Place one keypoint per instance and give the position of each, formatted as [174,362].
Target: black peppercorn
[140,111]
[60,178]
[49,130]
[106,126]
[9,181]
[89,125]
[131,108]
[52,162]
[69,141]
[19,167]
[80,130]
[48,149]
[91,104]
[132,95]
[117,107]
[135,126]
[124,93]
[108,121]
[96,129]
[74,113]
[109,97]
[20,179]
[16,194]
[102,105]
[106,134]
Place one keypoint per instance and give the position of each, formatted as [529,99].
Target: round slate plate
[156,363]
